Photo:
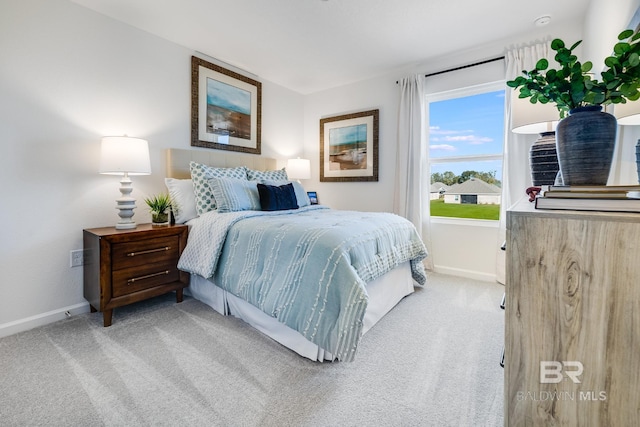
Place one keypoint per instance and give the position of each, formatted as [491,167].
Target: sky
[227,96]
[466,126]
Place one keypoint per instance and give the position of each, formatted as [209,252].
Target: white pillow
[301,194]
[183,199]
[234,194]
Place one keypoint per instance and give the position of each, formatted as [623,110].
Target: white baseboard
[22,325]
[469,274]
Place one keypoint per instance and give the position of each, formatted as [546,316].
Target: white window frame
[459,93]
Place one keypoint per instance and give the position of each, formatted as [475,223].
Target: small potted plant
[585,138]
[159,206]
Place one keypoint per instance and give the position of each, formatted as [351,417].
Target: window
[466,136]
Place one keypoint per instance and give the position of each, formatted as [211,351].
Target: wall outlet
[77,258]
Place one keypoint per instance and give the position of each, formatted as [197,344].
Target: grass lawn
[440,208]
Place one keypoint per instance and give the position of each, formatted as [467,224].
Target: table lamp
[628,114]
[298,169]
[528,118]
[122,155]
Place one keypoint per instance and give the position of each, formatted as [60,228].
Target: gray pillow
[234,195]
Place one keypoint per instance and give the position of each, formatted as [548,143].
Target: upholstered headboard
[178,161]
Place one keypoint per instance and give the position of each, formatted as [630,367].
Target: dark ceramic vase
[585,141]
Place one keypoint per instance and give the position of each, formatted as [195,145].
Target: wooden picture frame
[226,108]
[349,147]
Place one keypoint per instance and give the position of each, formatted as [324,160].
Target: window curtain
[516,174]
[411,181]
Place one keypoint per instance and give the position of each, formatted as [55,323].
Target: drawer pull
[135,279]
[150,251]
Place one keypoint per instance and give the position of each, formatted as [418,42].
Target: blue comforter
[308,267]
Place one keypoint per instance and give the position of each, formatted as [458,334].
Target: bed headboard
[178,161]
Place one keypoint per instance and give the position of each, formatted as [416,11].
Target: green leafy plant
[159,203]
[572,84]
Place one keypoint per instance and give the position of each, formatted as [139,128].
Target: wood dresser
[572,320]
[126,266]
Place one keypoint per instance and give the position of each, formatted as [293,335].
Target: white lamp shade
[531,118]
[122,154]
[298,168]
[627,114]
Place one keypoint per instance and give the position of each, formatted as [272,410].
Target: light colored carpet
[432,361]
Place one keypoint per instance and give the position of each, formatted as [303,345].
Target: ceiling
[312,45]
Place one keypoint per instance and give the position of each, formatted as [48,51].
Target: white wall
[69,76]
[481,239]
[382,94]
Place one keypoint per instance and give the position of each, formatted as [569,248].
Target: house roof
[313,45]
[437,187]
[474,186]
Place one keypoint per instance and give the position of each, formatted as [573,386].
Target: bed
[312,278]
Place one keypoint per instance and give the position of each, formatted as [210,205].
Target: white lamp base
[126,204]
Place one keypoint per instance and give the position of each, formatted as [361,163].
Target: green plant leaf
[621,48]
[611,61]
[575,45]
[625,34]
[572,84]
[542,64]
[613,84]
[598,99]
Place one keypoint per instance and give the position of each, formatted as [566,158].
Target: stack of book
[616,198]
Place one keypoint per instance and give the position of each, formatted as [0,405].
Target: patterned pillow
[200,175]
[233,194]
[301,195]
[278,175]
[183,199]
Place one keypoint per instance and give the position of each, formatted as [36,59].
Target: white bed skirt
[384,293]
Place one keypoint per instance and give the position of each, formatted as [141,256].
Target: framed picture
[226,108]
[349,147]
[313,197]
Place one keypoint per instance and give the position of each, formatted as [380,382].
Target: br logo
[554,372]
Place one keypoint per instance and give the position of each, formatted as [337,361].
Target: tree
[449,178]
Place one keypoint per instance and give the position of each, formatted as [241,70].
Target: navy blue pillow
[277,198]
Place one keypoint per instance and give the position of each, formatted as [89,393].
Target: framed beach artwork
[349,147]
[226,108]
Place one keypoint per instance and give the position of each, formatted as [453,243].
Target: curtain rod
[465,66]
[486,61]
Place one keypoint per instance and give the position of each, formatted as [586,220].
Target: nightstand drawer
[141,252]
[130,280]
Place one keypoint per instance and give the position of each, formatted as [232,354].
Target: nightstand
[126,266]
